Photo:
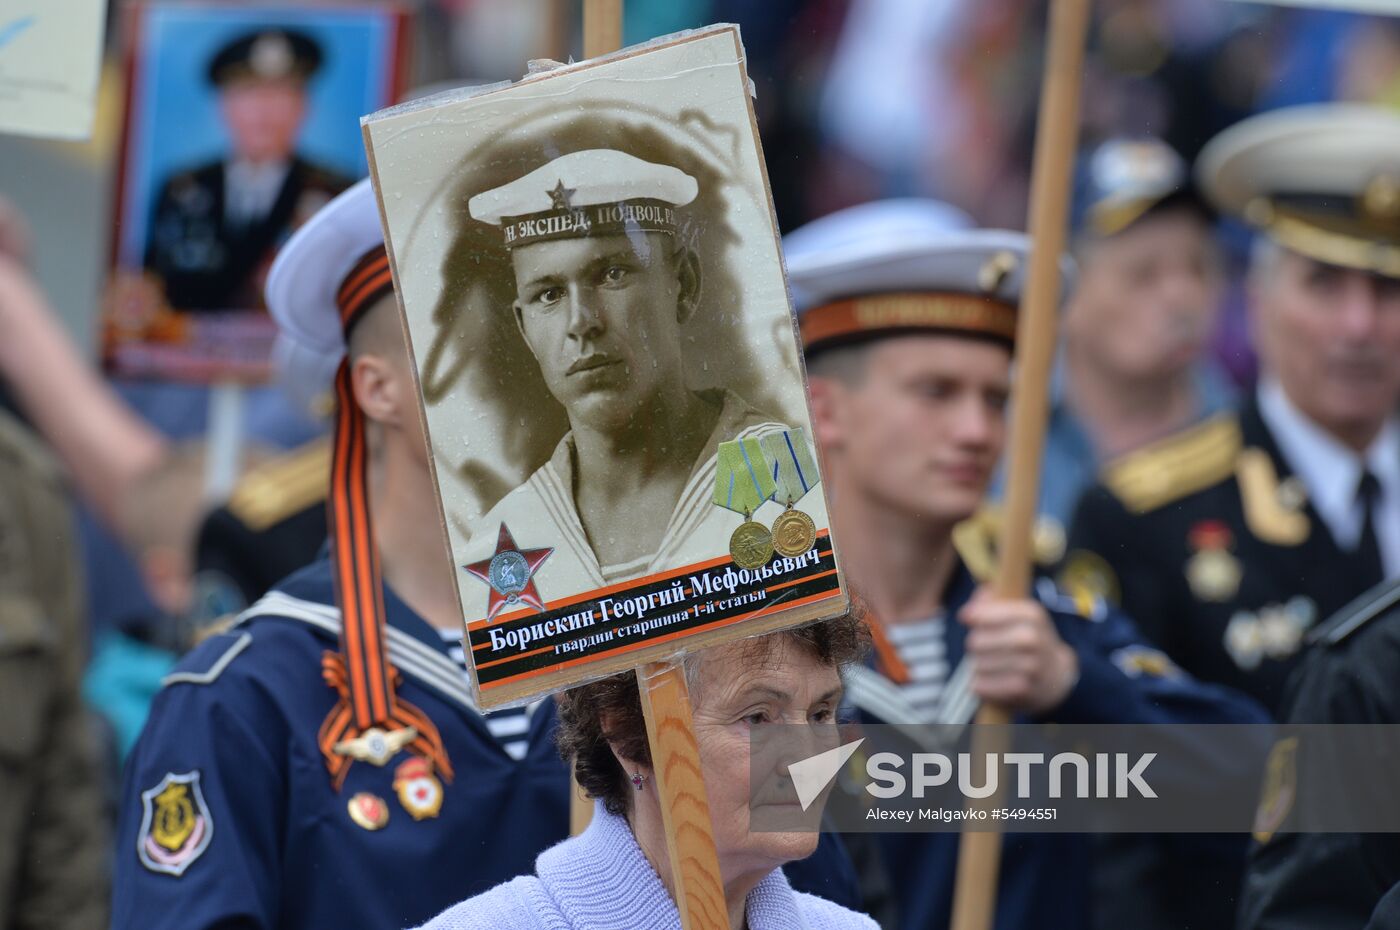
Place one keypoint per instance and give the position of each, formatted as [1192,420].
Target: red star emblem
[510,572]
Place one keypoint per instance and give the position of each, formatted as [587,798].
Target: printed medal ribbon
[743,480]
[794,473]
[742,483]
[789,463]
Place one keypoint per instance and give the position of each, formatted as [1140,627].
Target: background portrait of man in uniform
[243,123]
[598,372]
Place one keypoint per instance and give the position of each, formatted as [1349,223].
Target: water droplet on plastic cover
[705,365]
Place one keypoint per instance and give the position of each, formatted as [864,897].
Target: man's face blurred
[921,429]
[602,316]
[1146,300]
[263,116]
[1331,336]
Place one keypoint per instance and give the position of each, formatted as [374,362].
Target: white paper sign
[50,58]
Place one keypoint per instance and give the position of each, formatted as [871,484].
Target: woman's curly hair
[584,741]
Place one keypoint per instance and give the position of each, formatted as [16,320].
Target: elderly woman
[617,874]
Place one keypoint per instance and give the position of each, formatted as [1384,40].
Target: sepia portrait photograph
[242,123]
[589,271]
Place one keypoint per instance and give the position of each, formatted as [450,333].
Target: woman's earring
[638,780]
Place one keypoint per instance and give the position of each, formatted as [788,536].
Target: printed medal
[742,483]
[794,474]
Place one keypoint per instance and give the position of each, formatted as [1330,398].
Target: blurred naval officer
[1137,325]
[1229,541]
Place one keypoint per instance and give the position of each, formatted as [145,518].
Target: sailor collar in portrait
[542,511]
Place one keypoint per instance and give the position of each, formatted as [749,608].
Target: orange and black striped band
[864,317]
[368,280]
[361,674]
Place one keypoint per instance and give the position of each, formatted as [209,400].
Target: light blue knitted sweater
[600,880]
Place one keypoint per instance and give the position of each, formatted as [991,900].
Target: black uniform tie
[1370,569]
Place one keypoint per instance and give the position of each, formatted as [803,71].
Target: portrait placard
[589,271]
[242,121]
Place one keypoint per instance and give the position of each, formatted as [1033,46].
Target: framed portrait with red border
[242,120]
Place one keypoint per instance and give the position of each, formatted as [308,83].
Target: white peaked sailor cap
[342,244]
[596,192]
[901,266]
[1322,180]
[305,376]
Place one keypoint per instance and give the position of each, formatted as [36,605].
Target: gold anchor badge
[375,746]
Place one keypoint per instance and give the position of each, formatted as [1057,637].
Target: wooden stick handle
[602,27]
[685,808]
[580,807]
[1057,130]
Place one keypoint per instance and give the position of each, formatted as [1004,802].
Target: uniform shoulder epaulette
[1172,468]
[1369,606]
[276,490]
[209,660]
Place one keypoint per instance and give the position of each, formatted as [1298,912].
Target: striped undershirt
[510,727]
[920,647]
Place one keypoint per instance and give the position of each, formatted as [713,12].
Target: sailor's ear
[688,274]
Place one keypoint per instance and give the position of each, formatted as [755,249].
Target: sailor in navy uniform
[216,227]
[321,764]
[1228,542]
[908,321]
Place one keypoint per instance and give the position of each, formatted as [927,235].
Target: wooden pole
[675,757]
[1057,130]
[602,27]
[685,808]
[580,807]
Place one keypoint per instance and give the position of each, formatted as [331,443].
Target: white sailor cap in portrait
[1322,180]
[903,266]
[597,192]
